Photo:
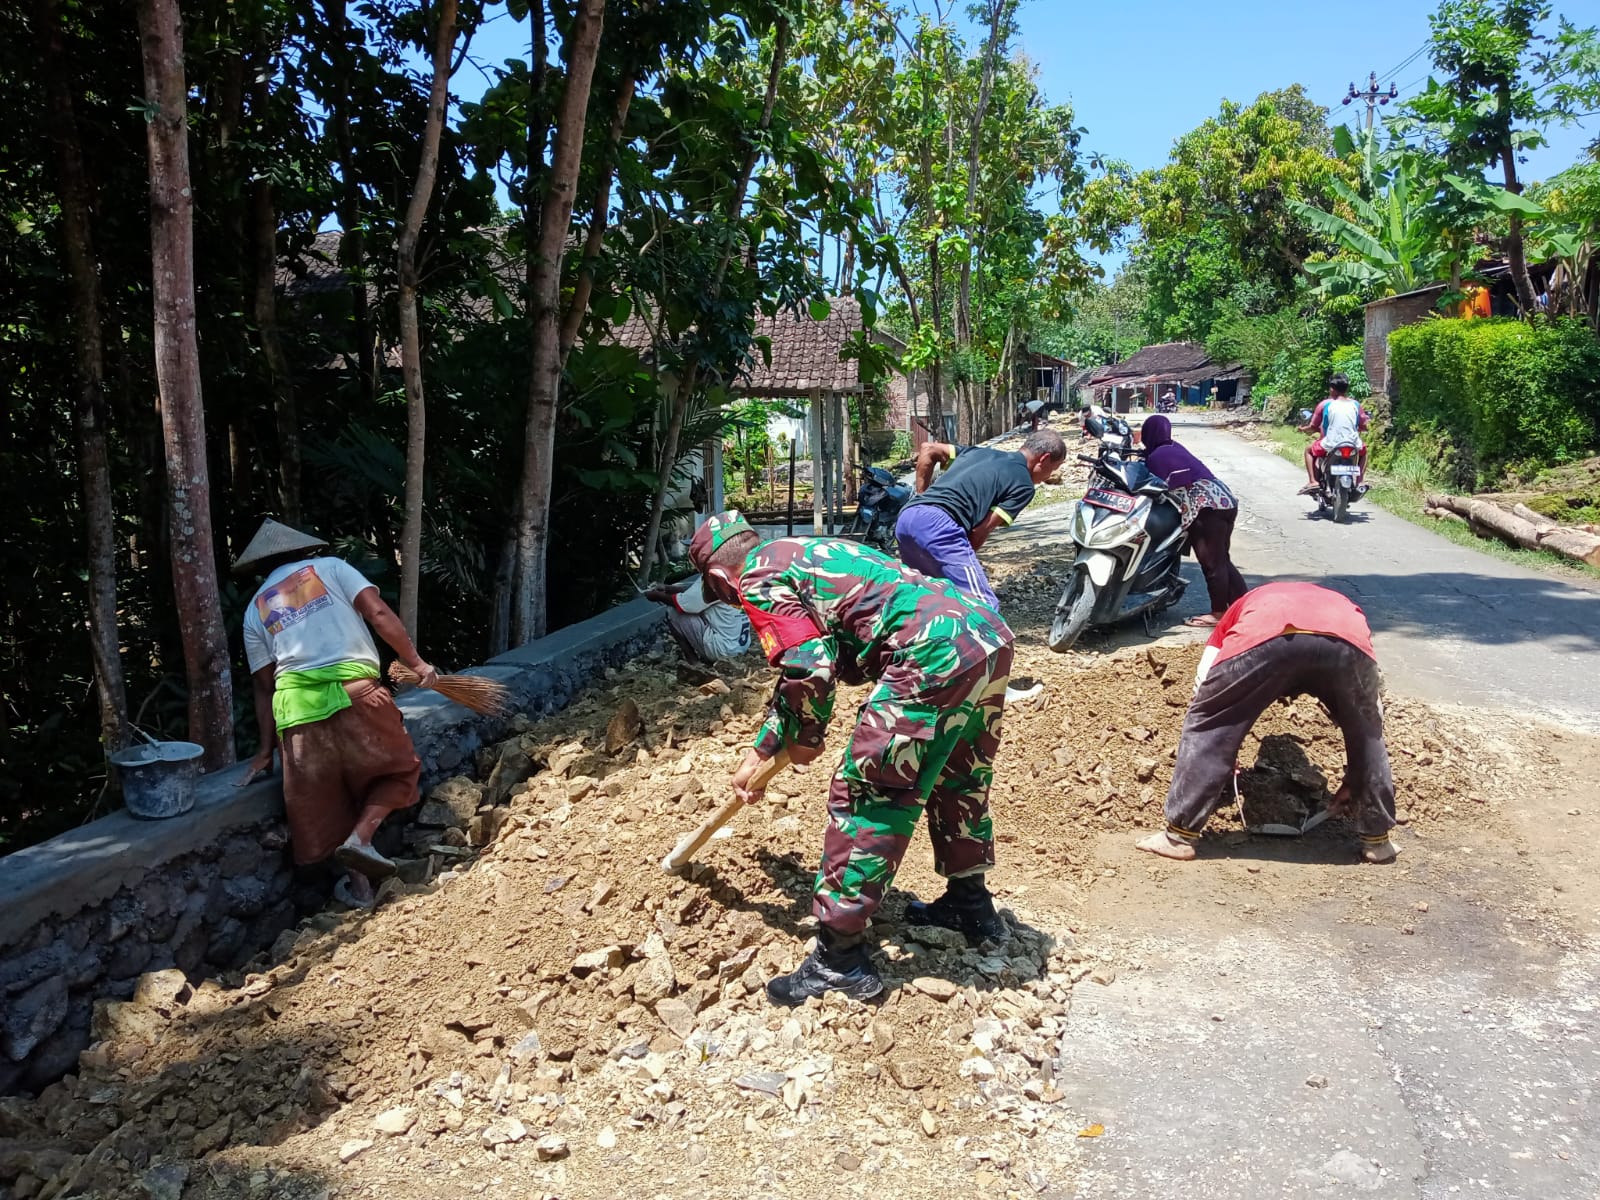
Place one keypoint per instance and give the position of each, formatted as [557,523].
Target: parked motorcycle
[1338,478]
[878,503]
[1130,539]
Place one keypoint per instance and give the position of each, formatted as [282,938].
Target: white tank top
[1342,423]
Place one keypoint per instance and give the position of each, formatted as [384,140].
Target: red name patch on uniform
[778,633]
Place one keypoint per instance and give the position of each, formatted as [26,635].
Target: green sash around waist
[302,697]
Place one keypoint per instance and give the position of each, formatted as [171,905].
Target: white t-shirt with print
[727,629]
[304,617]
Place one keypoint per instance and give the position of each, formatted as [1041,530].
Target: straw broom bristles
[486,696]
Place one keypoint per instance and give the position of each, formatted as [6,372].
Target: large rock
[513,768]
[460,795]
[676,1015]
[25,970]
[625,725]
[33,1016]
[654,978]
[163,991]
[120,1020]
[435,814]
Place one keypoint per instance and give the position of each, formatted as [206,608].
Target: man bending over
[1279,641]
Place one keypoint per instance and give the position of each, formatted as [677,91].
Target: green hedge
[1500,391]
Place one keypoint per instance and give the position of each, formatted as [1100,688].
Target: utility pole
[1372,96]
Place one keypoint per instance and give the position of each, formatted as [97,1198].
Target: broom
[487,696]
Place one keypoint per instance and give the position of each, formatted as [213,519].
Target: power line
[1407,60]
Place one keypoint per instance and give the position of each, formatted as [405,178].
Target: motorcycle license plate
[1341,469]
[1115,501]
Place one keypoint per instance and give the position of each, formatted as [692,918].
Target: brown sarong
[334,768]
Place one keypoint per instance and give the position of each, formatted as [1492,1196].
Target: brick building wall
[1383,317]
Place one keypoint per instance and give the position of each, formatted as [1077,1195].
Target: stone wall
[84,915]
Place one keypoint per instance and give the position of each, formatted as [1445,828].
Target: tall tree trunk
[410,333]
[584,288]
[352,241]
[528,611]
[194,563]
[89,412]
[686,386]
[264,222]
[1516,254]
[998,14]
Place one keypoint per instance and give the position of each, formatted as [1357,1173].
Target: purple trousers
[932,542]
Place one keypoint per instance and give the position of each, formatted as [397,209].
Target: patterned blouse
[1200,495]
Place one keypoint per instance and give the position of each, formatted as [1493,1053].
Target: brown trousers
[334,768]
[1238,690]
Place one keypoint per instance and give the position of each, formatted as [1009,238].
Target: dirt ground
[551,1015]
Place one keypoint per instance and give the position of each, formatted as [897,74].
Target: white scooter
[1130,538]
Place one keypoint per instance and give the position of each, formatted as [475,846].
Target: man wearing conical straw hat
[347,759]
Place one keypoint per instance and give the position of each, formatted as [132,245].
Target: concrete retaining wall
[83,915]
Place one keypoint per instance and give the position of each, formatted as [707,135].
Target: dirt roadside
[552,1015]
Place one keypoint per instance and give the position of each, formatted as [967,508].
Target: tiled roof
[805,353]
[1169,359]
[1169,362]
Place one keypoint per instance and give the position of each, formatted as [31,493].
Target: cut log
[1530,531]
[1542,523]
[1574,543]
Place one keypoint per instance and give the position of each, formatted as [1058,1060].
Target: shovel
[683,853]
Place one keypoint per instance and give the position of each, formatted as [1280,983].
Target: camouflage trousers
[917,743]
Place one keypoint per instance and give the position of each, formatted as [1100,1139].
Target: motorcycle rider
[1338,421]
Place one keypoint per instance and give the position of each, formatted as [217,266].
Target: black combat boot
[966,907]
[840,963]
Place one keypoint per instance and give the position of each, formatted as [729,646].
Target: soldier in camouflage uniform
[825,610]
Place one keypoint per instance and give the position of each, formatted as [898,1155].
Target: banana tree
[1390,240]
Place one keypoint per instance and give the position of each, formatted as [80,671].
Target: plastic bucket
[158,780]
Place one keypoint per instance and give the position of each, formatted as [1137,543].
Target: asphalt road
[1450,624]
[1288,1023]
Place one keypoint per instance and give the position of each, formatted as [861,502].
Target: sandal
[343,894]
[361,856]
[1202,621]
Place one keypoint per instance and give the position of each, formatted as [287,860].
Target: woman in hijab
[1209,511]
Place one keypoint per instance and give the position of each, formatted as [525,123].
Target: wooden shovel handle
[683,853]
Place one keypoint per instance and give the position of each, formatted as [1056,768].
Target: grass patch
[1401,490]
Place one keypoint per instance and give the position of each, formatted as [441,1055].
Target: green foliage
[1500,391]
[1351,362]
[1390,241]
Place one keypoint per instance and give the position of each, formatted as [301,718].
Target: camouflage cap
[714,534]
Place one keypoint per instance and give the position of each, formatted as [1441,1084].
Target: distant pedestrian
[1280,641]
[348,761]
[1209,512]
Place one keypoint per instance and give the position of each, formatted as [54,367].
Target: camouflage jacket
[825,609]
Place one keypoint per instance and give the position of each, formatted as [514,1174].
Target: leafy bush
[1497,390]
[1351,362]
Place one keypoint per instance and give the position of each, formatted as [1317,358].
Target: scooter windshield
[1132,474]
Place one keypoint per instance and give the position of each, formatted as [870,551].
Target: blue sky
[1141,74]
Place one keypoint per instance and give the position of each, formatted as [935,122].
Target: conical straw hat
[273,540]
